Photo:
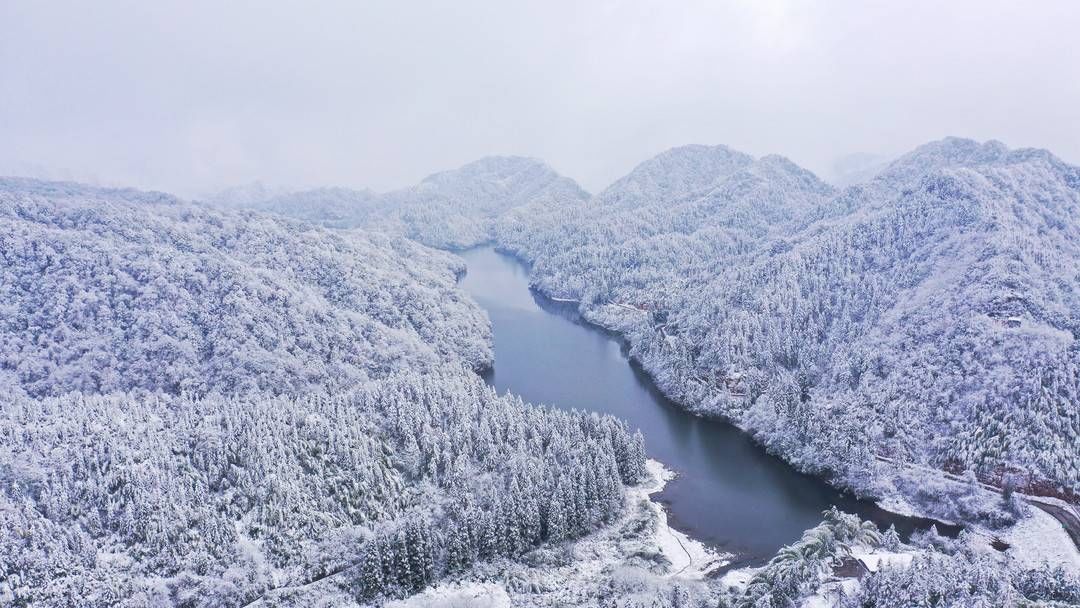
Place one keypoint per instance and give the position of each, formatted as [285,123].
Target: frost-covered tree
[799,568]
[209,407]
[237,495]
[970,579]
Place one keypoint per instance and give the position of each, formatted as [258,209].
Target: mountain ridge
[788,290]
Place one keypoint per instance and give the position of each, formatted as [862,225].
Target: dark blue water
[730,494]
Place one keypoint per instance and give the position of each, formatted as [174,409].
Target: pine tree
[421,567]
[891,540]
[369,581]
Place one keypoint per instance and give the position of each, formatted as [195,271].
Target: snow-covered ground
[458,595]
[634,559]
[1041,539]
[875,560]
[1036,539]
[829,594]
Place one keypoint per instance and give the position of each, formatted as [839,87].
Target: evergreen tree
[891,540]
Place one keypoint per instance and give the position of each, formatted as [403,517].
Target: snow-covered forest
[929,316]
[272,397]
[214,501]
[200,407]
[540,304]
[930,572]
[106,290]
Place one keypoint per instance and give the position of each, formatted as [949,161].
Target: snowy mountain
[948,153]
[450,210]
[675,173]
[497,183]
[929,316]
[582,252]
[208,407]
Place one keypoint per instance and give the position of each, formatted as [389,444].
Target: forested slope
[930,315]
[105,290]
[164,500]
[202,407]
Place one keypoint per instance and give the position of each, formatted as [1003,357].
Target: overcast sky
[192,96]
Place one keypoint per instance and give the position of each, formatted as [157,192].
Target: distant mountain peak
[674,173]
[503,181]
[494,167]
[942,154]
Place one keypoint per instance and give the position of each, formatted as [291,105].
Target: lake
[729,494]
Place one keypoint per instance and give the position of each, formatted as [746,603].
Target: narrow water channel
[729,494]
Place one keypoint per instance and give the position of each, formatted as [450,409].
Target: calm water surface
[729,493]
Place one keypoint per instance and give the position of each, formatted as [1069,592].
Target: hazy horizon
[191,98]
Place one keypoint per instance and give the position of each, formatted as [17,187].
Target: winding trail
[1065,517]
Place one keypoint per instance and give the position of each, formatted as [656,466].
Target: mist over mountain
[856,168]
[246,195]
[450,210]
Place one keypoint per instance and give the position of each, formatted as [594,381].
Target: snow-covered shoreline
[639,552]
[689,557]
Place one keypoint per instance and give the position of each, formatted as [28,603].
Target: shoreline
[639,541]
[701,560]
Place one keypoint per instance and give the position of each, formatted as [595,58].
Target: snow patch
[829,594]
[457,595]
[874,561]
[1040,539]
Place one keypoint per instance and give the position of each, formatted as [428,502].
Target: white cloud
[195,95]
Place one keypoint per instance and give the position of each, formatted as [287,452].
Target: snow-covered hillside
[673,174]
[107,290]
[930,316]
[381,490]
[202,407]
[216,407]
